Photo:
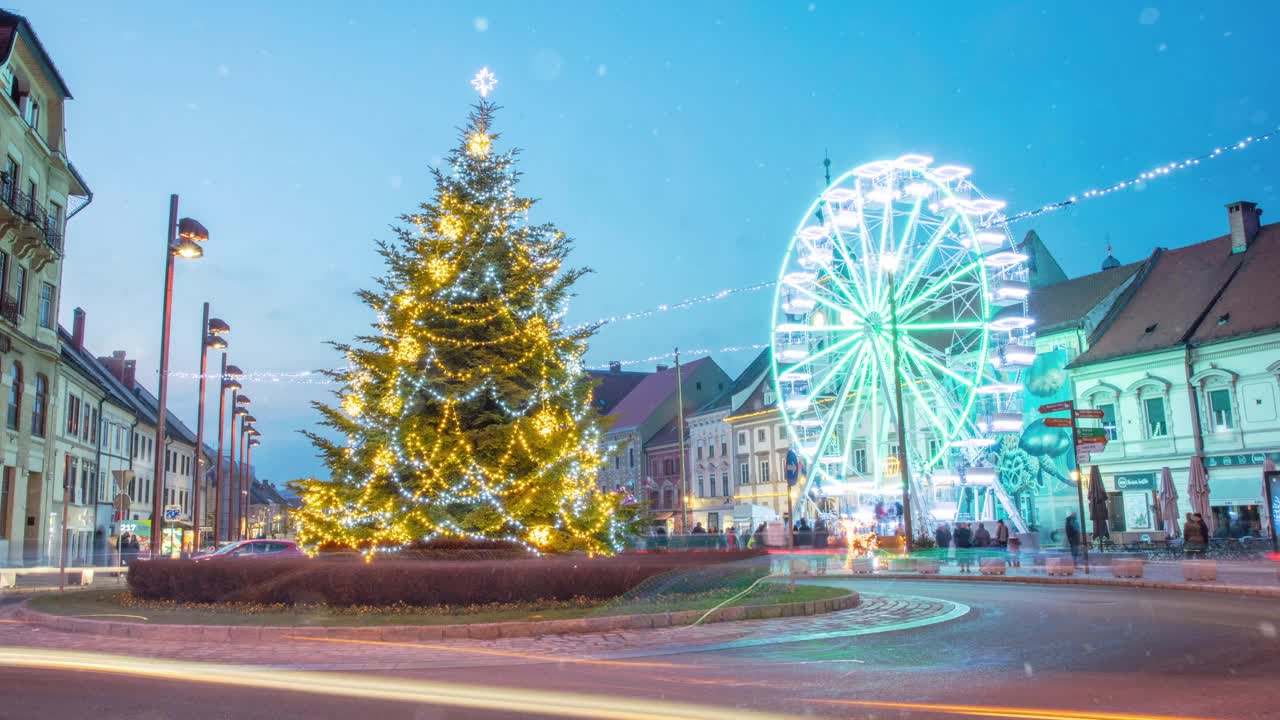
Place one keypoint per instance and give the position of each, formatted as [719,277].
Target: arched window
[39,405]
[15,396]
[1153,401]
[1105,397]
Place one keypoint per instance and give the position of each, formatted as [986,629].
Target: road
[1065,651]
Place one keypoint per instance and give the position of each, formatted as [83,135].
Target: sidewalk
[1241,577]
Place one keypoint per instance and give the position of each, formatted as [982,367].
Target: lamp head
[240,410]
[234,371]
[249,419]
[187,248]
[215,342]
[192,230]
[243,399]
[230,384]
[218,327]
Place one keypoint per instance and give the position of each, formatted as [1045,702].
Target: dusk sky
[678,143]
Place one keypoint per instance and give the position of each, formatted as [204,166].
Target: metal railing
[9,308]
[26,207]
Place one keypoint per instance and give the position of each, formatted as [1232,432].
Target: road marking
[992,711]
[481,651]
[448,694]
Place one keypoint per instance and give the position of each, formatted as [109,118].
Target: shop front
[1236,493]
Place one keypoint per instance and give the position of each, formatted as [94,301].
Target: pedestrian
[698,529]
[1191,542]
[963,538]
[820,534]
[804,534]
[1073,537]
[730,539]
[942,536]
[982,538]
[1002,534]
[1014,550]
[122,547]
[1204,533]
[757,538]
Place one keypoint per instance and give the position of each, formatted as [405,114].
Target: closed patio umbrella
[1198,491]
[1169,504]
[1098,503]
[1268,466]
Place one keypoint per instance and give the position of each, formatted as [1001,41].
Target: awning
[664,516]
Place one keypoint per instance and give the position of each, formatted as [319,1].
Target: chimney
[662,368]
[130,367]
[1244,218]
[615,367]
[114,364]
[77,329]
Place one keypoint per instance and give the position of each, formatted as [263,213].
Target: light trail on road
[482,651]
[992,711]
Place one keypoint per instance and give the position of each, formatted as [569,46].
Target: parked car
[270,549]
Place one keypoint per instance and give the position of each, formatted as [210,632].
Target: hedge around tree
[423,582]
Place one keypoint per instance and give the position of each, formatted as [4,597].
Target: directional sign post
[1091,433]
[1058,422]
[1056,407]
[1087,414]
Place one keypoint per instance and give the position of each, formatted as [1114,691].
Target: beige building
[39,191]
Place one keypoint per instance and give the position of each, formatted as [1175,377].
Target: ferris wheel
[901,255]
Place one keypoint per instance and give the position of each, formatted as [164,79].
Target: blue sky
[677,142]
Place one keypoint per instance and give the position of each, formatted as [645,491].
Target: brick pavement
[877,613]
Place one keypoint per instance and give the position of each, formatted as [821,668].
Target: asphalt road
[1066,652]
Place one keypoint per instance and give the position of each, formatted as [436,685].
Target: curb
[413,633]
[1192,587]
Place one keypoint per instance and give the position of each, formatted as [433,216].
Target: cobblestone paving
[877,612]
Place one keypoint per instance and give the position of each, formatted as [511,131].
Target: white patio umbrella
[1198,491]
[1169,504]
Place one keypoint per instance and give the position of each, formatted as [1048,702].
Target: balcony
[9,308]
[37,235]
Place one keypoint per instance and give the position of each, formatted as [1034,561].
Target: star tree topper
[483,82]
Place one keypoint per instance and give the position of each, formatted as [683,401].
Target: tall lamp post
[182,239]
[248,461]
[228,382]
[233,496]
[211,331]
[246,427]
[889,263]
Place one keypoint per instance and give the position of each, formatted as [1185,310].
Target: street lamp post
[211,330]
[246,428]
[889,263]
[233,497]
[228,382]
[186,243]
[248,461]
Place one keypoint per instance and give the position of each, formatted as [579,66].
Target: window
[860,460]
[668,498]
[668,467]
[724,483]
[742,440]
[15,396]
[69,478]
[11,172]
[711,450]
[73,415]
[764,471]
[84,420]
[699,450]
[760,435]
[93,426]
[617,462]
[698,385]
[631,455]
[39,405]
[1109,425]
[32,114]
[744,474]
[86,474]
[20,289]
[1220,409]
[6,483]
[46,305]
[782,432]
[4,272]
[1156,423]
[33,191]
[702,490]
[724,448]
[55,218]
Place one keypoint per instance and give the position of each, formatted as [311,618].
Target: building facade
[38,189]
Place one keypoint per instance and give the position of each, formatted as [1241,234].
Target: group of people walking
[969,543]
[1195,535]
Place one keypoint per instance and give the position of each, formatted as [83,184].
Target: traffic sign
[1056,407]
[1057,422]
[1087,413]
[1090,447]
[172,512]
[1082,458]
[1091,433]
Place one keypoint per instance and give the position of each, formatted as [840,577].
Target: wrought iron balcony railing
[26,207]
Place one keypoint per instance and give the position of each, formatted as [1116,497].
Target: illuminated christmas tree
[468,412]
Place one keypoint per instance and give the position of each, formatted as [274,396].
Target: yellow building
[39,191]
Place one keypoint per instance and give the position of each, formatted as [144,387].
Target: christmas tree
[468,413]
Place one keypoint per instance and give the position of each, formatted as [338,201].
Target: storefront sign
[1136,481]
[1256,458]
[1272,483]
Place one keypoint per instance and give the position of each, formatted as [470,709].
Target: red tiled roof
[1066,303]
[651,392]
[1251,302]
[612,387]
[1168,305]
